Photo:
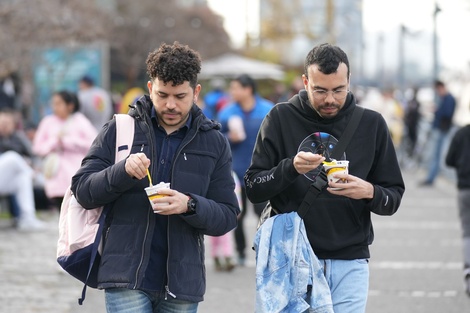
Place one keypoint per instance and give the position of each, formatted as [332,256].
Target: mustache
[329,105]
[170,112]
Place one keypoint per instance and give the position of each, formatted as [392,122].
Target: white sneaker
[31,225]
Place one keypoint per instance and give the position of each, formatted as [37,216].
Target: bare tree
[139,29]
[27,25]
[131,29]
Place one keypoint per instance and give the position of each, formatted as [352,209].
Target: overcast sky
[380,16]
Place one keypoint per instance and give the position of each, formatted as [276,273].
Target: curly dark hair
[176,63]
[327,57]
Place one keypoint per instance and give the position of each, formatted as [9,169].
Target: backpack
[80,230]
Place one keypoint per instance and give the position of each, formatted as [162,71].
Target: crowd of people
[40,160]
[224,153]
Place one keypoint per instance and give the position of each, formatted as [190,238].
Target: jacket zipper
[199,241]
[143,252]
[178,153]
[167,289]
[139,267]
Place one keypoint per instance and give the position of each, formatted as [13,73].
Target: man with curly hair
[153,254]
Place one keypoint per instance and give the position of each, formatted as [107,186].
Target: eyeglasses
[337,94]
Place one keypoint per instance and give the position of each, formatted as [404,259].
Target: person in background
[216,99]
[12,138]
[441,125]
[412,119]
[129,98]
[458,157]
[16,180]
[338,222]
[95,102]
[175,143]
[280,93]
[67,134]
[240,121]
[8,89]
[222,246]
[393,114]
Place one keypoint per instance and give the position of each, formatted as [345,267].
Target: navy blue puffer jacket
[202,169]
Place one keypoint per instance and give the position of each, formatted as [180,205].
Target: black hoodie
[337,227]
[458,156]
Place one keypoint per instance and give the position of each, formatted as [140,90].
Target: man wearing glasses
[295,138]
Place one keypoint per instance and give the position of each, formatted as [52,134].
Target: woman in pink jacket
[67,135]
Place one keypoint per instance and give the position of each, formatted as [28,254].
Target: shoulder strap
[124,136]
[348,133]
[321,181]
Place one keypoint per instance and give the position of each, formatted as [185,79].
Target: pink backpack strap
[124,135]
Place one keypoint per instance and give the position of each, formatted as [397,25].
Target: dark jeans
[14,207]
[240,239]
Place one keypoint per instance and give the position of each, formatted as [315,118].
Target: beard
[319,108]
[172,118]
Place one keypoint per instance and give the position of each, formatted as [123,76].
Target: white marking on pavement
[418,293]
[417,265]
[415,293]
[450,293]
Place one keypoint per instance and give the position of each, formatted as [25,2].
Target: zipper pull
[168,292]
[184,155]
[142,148]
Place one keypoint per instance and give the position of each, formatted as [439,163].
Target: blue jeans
[122,300]
[438,137]
[349,284]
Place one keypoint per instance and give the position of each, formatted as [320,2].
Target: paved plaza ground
[415,266]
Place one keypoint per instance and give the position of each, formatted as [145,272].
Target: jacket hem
[104,286]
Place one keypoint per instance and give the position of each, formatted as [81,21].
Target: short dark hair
[327,57]
[69,98]
[176,63]
[247,81]
[87,80]
[439,83]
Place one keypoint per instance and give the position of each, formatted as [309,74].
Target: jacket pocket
[195,169]
[140,146]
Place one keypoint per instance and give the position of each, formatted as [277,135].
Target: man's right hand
[137,165]
[304,162]
[235,137]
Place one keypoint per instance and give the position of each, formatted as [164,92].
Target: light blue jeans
[438,138]
[349,284]
[122,300]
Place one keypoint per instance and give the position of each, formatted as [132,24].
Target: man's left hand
[174,202]
[355,188]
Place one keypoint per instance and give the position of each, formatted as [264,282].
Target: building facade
[293,27]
